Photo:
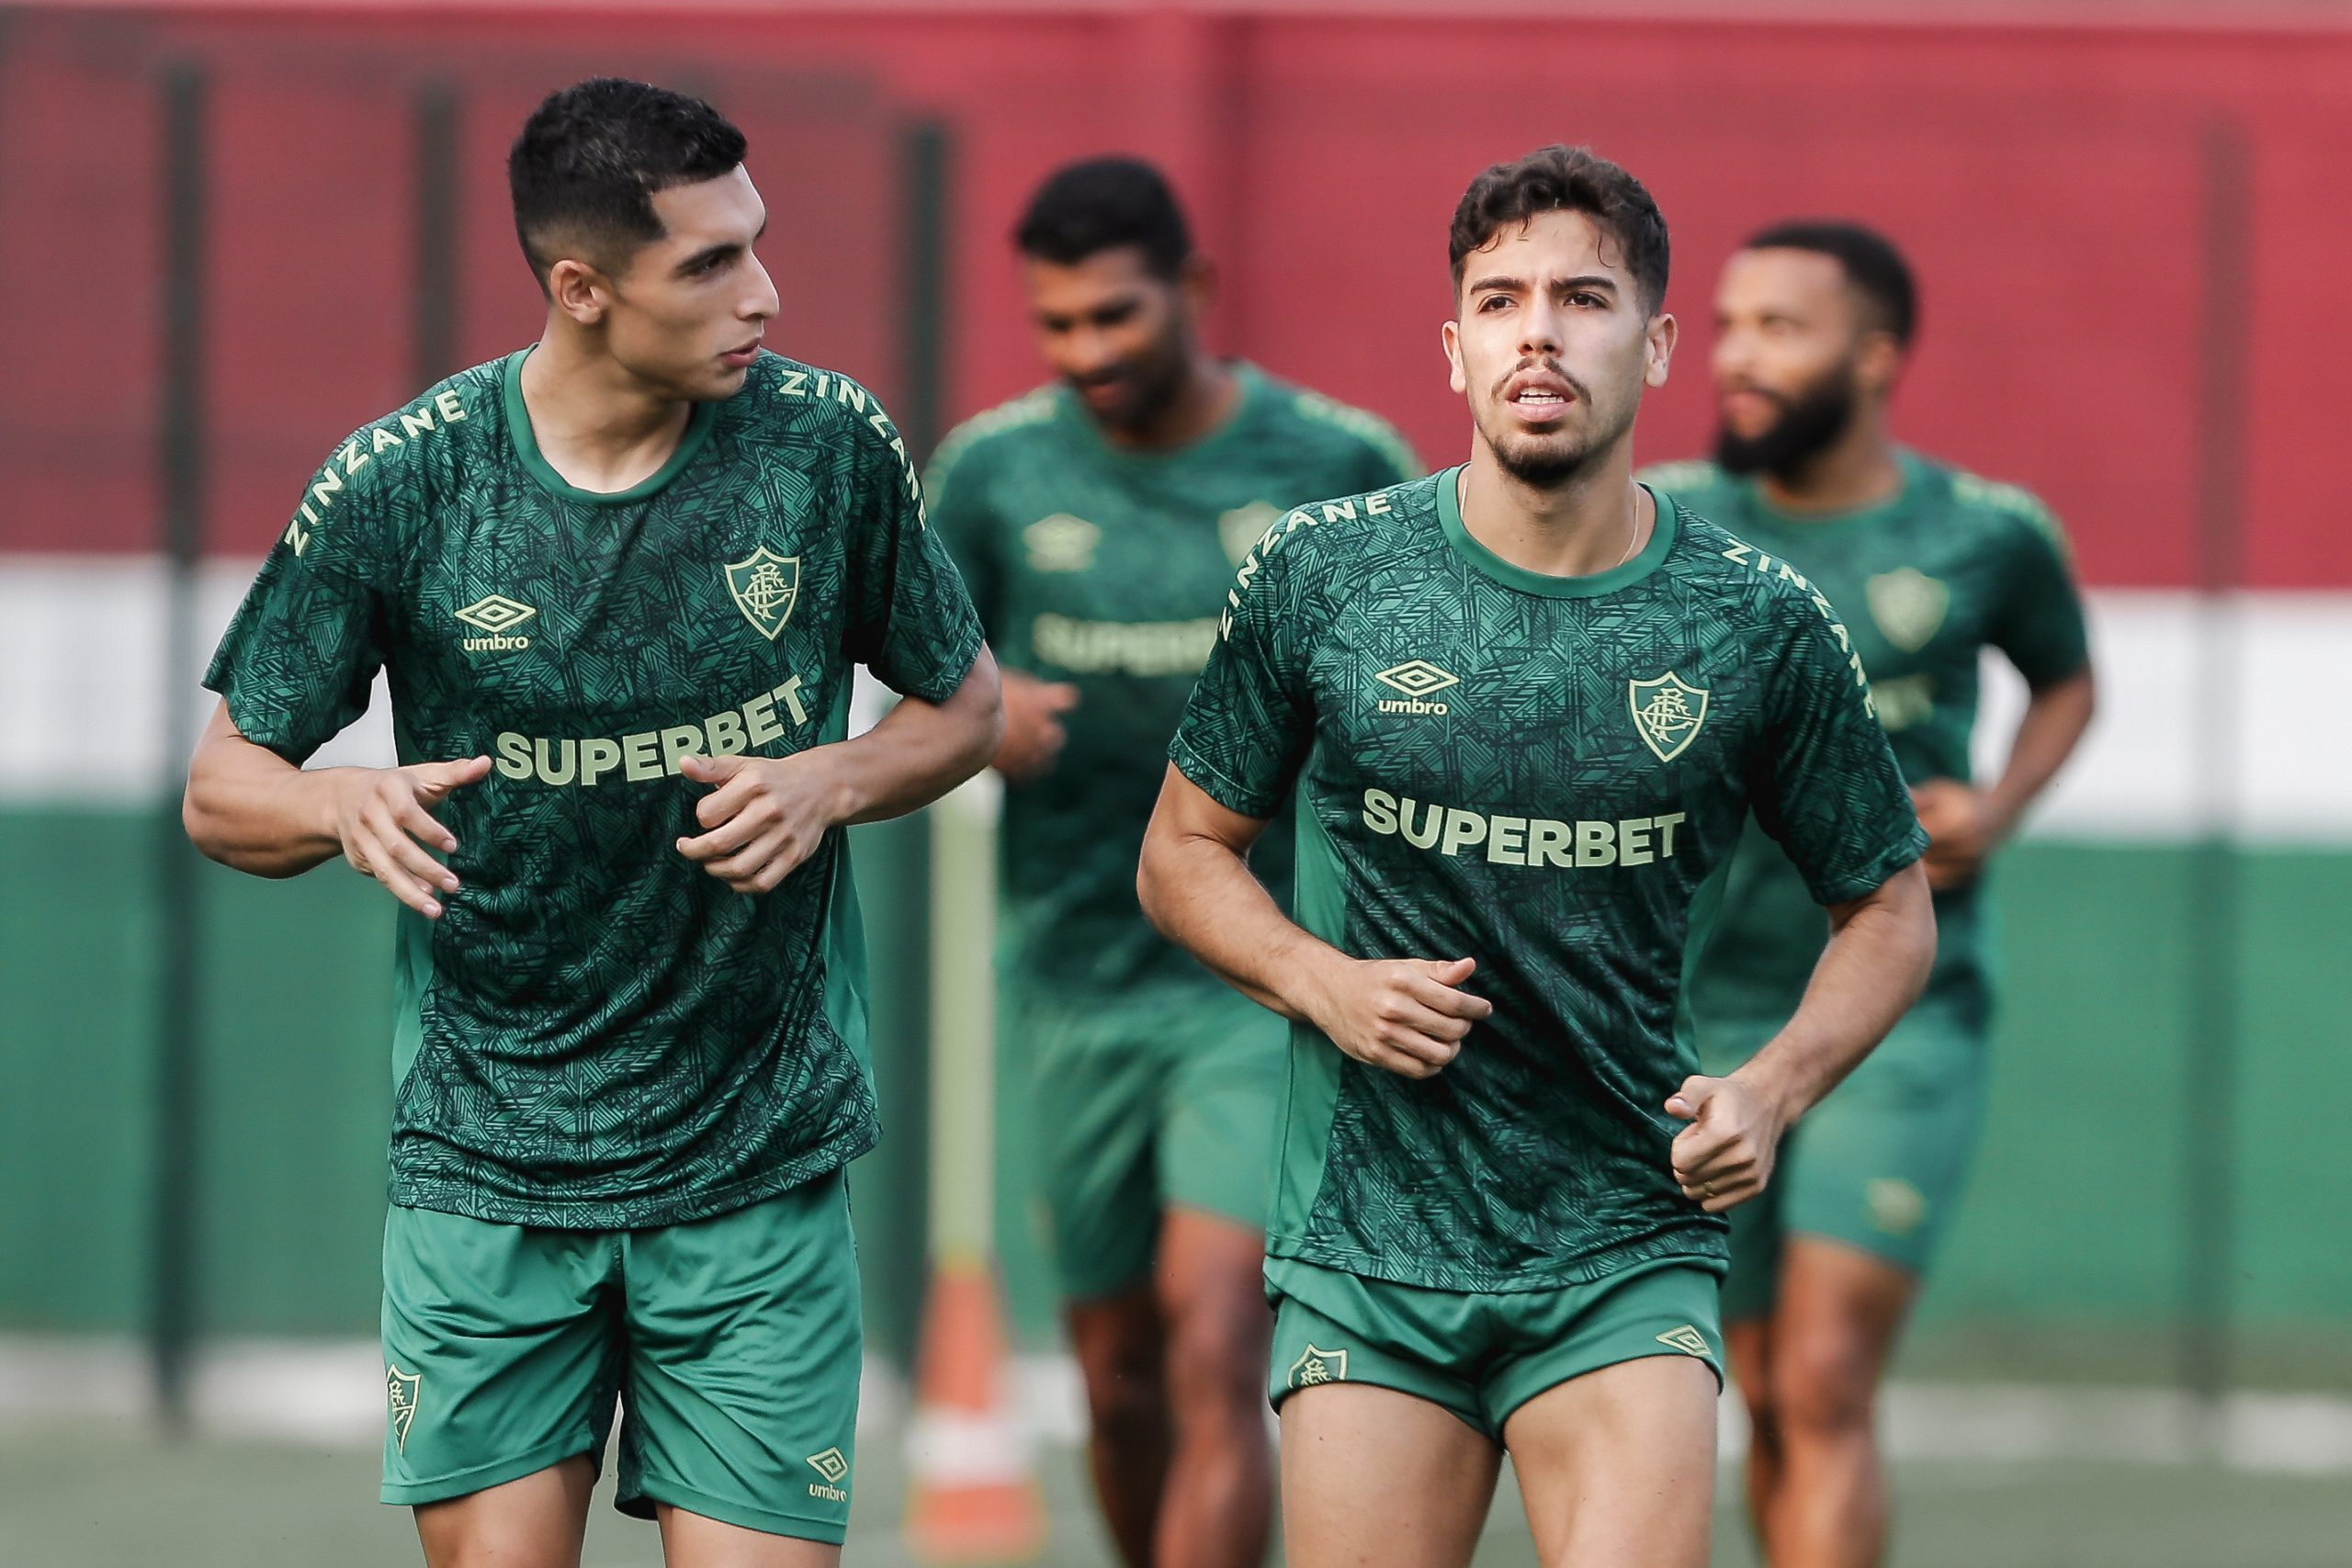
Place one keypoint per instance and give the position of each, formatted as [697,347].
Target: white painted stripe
[83,693]
[84,688]
[332,1394]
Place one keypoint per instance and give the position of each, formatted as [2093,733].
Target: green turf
[99,1497]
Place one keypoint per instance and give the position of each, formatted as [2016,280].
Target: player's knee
[1124,1396]
[1216,1356]
[1821,1385]
[1763,1415]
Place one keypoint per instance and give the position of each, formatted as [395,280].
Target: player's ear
[1659,350]
[1451,335]
[1196,281]
[1878,363]
[579,290]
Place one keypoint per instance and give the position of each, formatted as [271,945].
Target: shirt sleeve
[1826,786]
[909,618]
[1247,730]
[297,661]
[956,491]
[2039,624]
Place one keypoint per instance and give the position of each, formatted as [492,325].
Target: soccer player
[618,581]
[1099,520]
[1526,707]
[1928,565]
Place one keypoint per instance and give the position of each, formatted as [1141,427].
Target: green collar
[527,446]
[1622,575]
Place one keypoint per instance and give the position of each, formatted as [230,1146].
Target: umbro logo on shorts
[1688,1340]
[834,1467]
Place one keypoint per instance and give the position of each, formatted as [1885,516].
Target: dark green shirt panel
[911,618]
[2039,625]
[298,656]
[1826,788]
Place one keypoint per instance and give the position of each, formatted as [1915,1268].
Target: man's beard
[1153,383]
[1810,423]
[1549,462]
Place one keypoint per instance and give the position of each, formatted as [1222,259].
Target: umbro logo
[1417,678]
[1688,1340]
[833,1465]
[498,616]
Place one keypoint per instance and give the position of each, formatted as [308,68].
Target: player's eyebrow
[1496,283]
[1594,280]
[715,253]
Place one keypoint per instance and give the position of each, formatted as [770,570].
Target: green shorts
[1484,1355]
[1141,1108]
[732,1343]
[1879,1165]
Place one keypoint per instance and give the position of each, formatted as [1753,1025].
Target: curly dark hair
[1566,179]
[584,170]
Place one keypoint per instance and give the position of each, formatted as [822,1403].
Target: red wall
[2049,184]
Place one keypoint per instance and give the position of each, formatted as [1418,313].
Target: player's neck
[1203,402]
[1858,470]
[1597,521]
[598,425]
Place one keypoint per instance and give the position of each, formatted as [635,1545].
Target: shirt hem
[444,1195]
[1705,1248]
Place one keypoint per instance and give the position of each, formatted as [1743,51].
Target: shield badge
[401,1387]
[766,585]
[1908,606]
[1315,1366]
[1241,529]
[1668,712]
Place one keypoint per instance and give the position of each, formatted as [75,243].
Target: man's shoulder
[1323,420]
[1713,561]
[1701,485]
[787,399]
[993,435]
[433,433]
[1322,544]
[1993,506]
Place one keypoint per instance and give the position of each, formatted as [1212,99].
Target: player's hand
[384,818]
[1961,831]
[766,816]
[1725,1156]
[1407,1015]
[1034,735]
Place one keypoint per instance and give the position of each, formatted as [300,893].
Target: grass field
[110,1496]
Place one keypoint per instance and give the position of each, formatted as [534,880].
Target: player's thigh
[1618,1466]
[1833,1331]
[1210,1287]
[1096,1099]
[691,1540]
[1228,1062]
[500,1355]
[1372,1477]
[745,1348]
[538,1521]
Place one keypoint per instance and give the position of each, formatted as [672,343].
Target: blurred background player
[1099,520]
[1928,565]
[1527,708]
[617,581]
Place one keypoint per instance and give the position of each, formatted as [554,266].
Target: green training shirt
[1546,774]
[1105,569]
[598,1033]
[1952,565]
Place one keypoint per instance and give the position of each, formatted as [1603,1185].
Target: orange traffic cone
[973,1497]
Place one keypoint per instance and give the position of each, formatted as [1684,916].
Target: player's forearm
[1200,893]
[1881,948]
[251,809]
[2053,725]
[919,750]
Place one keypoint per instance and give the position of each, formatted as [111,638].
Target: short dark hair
[1566,179]
[1872,263]
[590,158]
[1101,204]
